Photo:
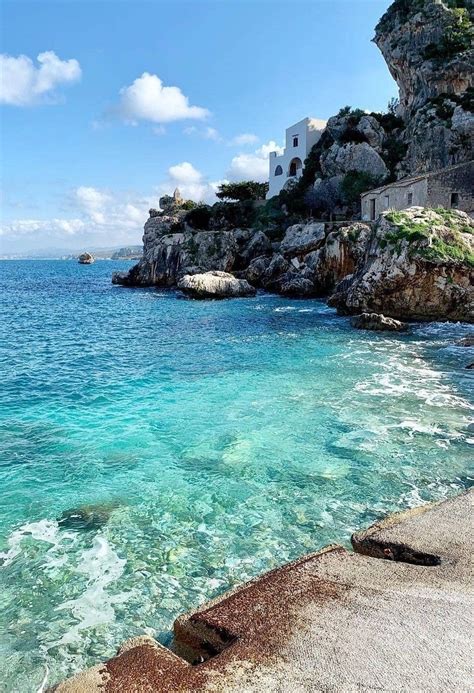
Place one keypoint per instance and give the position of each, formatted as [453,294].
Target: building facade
[451,187]
[288,166]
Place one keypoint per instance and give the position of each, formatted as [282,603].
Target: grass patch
[433,247]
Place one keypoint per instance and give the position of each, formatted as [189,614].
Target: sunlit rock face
[419,264]
[428,49]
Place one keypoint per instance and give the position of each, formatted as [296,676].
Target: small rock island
[86,259]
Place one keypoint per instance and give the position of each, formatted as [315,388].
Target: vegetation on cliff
[439,235]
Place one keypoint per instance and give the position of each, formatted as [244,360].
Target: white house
[289,165]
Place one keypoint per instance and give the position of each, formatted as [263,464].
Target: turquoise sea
[216,440]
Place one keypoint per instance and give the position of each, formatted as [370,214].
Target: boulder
[466,341]
[372,131]
[215,285]
[378,322]
[292,284]
[353,156]
[87,517]
[86,259]
[257,269]
[300,239]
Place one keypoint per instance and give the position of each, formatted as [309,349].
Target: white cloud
[253,166]
[98,218]
[148,99]
[209,133]
[185,173]
[243,139]
[24,84]
[192,184]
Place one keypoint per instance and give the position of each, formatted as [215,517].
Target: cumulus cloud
[192,184]
[243,139]
[98,218]
[253,166]
[24,84]
[246,138]
[148,99]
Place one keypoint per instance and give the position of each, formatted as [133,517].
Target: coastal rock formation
[86,259]
[419,264]
[377,322]
[428,47]
[215,285]
[339,159]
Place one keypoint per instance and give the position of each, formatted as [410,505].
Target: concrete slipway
[331,621]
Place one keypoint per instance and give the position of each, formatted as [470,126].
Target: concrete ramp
[394,616]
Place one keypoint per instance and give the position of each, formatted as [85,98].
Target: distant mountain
[132,252]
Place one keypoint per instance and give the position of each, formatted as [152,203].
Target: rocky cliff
[416,264]
[428,47]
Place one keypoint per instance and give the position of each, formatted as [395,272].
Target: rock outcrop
[215,285]
[428,47]
[86,259]
[418,264]
[377,322]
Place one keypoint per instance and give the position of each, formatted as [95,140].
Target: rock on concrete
[331,621]
[215,285]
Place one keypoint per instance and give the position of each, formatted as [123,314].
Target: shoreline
[325,619]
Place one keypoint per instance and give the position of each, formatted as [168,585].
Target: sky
[105,106]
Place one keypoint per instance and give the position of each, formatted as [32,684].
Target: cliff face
[428,47]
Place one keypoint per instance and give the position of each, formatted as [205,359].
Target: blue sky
[92,134]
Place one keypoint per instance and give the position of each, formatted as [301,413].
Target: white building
[289,166]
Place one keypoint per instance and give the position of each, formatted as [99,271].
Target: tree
[245,190]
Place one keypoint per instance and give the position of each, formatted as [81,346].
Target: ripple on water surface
[156,451]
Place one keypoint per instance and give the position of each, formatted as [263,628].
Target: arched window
[295,166]
[278,170]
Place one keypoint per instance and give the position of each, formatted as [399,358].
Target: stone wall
[460,180]
[432,190]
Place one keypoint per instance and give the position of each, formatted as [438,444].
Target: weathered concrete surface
[331,621]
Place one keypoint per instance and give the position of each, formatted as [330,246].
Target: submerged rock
[87,517]
[466,341]
[377,322]
[215,285]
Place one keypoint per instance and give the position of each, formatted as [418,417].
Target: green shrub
[233,214]
[244,190]
[438,249]
[188,205]
[351,134]
[394,151]
[458,37]
[355,183]
[199,217]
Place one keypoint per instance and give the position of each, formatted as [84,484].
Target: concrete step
[331,621]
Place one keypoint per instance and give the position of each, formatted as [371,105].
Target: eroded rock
[215,285]
[377,322]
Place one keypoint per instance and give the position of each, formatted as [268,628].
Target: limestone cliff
[428,47]
[418,264]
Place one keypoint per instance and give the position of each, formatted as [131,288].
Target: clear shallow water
[223,439]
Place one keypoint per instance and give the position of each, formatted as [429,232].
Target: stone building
[451,187]
[298,142]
